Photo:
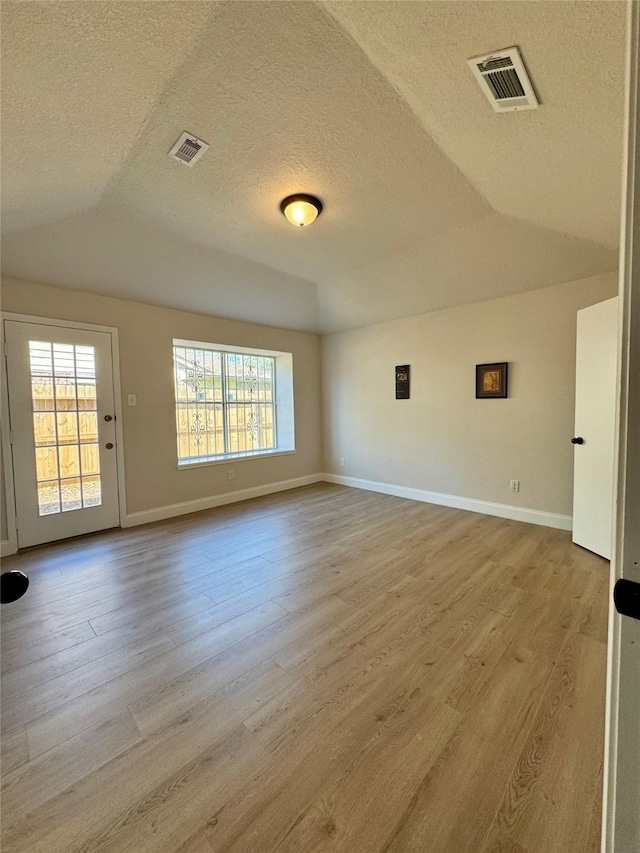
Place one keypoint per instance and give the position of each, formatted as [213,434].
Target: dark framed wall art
[492,380]
[403,378]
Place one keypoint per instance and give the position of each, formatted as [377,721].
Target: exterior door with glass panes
[62,421]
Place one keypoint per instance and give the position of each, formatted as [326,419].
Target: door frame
[621,778]
[10,545]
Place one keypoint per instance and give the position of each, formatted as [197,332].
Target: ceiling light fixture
[301,209]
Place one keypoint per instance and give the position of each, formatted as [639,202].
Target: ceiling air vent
[188,149]
[503,79]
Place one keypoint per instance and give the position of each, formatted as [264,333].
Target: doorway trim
[626,541]
[10,545]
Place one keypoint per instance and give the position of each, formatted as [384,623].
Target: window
[226,402]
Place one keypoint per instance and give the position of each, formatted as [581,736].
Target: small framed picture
[491,380]
[403,378]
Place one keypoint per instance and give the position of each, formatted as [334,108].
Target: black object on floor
[13,586]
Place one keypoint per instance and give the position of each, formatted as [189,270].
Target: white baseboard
[515,513]
[161,513]
[7,548]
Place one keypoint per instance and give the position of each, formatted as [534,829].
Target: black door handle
[578,440]
[626,597]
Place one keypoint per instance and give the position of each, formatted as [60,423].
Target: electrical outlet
[342,461]
[514,485]
[232,475]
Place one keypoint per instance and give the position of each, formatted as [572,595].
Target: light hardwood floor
[321,670]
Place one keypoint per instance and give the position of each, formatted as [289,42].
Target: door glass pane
[71,494]
[69,460]
[47,463]
[65,395]
[87,394]
[65,426]
[91,495]
[89,459]
[88,422]
[42,393]
[44,428]
[48,497]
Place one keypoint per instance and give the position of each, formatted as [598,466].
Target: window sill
[187,466]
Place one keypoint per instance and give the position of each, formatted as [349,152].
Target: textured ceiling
[79,81]
[557,166]
[431,199]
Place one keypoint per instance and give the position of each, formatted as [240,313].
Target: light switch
[131,400]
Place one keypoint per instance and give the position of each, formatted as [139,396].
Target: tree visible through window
[225,403]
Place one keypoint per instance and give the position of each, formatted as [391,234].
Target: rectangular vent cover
[188,149]
[504,80]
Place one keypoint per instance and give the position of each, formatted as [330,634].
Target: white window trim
[183,342]
[283,403]
[243,457]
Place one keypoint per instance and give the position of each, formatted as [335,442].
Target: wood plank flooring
[321,670]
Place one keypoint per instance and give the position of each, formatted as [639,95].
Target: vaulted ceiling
[431,199]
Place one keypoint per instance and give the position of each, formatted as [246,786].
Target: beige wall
[145,334]
[443,439]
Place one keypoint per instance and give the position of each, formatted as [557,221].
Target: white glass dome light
[301,209]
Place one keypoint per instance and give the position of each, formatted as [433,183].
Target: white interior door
[62,421]
[595,426]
